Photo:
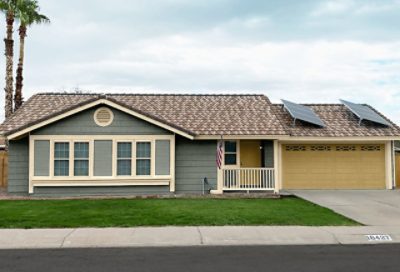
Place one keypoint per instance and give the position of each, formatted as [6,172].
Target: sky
[305,51]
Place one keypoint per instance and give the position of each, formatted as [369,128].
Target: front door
[250,157]
[250,154]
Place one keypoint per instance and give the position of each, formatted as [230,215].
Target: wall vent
[103,117]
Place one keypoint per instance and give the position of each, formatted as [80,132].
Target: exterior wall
[83,124]
[194,161]
[79,124]
[18,166]
[42,158]
[162,163]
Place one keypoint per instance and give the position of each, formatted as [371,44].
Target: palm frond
[7,5]
[29,13]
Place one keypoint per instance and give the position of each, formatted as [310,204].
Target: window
[370,148]
[81,159]
[295,148]
[230,153]
[143,158]
[346,148]
[320,148]
[124,159]
[61,159]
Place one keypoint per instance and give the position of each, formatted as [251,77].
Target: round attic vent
[103,117]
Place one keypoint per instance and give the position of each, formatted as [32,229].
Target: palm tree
[9,7]
[28,14]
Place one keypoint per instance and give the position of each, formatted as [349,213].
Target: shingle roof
[193,114]
[339,122]
[205,114]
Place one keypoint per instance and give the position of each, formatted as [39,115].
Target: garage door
[333,166]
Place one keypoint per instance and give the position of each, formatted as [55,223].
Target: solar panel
[303,113]
[365,113]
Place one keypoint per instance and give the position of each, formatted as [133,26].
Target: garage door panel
[336,167]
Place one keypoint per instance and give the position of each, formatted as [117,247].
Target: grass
[165,212]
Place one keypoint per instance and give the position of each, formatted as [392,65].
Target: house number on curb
[379,238]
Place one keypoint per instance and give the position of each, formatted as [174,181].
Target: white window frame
[63,159]
[91,180]
[73,156]
[131,158]
[151,158]
[237,155]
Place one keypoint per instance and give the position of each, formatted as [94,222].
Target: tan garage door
[333,166]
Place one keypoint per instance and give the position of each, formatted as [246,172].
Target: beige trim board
[93,104]
[333,140]
[241,137]
[99,183]
[288,138]
[389,165]
[276,167]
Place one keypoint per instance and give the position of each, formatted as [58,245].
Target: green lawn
[163,212]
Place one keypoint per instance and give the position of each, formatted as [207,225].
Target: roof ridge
[146,94]
[313,104]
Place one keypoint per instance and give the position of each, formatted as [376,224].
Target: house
[83,144]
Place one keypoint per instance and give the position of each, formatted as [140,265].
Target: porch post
[219,189]
[389,165]
[276,167]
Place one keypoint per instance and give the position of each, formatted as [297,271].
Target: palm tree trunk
[9,44]
[19,77]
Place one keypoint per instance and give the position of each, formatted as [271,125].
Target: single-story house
[91,144]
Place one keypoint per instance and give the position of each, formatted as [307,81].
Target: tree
[28,13]
[9,7]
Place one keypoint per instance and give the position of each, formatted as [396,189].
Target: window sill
[110,181]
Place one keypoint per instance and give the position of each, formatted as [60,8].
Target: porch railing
[248,179]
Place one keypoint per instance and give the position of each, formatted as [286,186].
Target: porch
[248,165]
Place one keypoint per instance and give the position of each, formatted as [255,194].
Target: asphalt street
[229,258]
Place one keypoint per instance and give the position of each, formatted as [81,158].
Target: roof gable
[48,113]
[84,123]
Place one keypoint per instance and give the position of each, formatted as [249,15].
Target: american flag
[220,153]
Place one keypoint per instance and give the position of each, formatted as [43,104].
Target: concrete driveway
[369,207]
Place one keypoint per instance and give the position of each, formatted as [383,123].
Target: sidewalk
[189,236]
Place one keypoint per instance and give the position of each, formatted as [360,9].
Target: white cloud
[379,7]
[358,7]
[303,71]
[333,7]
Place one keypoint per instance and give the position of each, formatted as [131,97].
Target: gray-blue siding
[194,160]
[98,191]
[83,124]
[18,167]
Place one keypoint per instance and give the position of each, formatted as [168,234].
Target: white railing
[248,179]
